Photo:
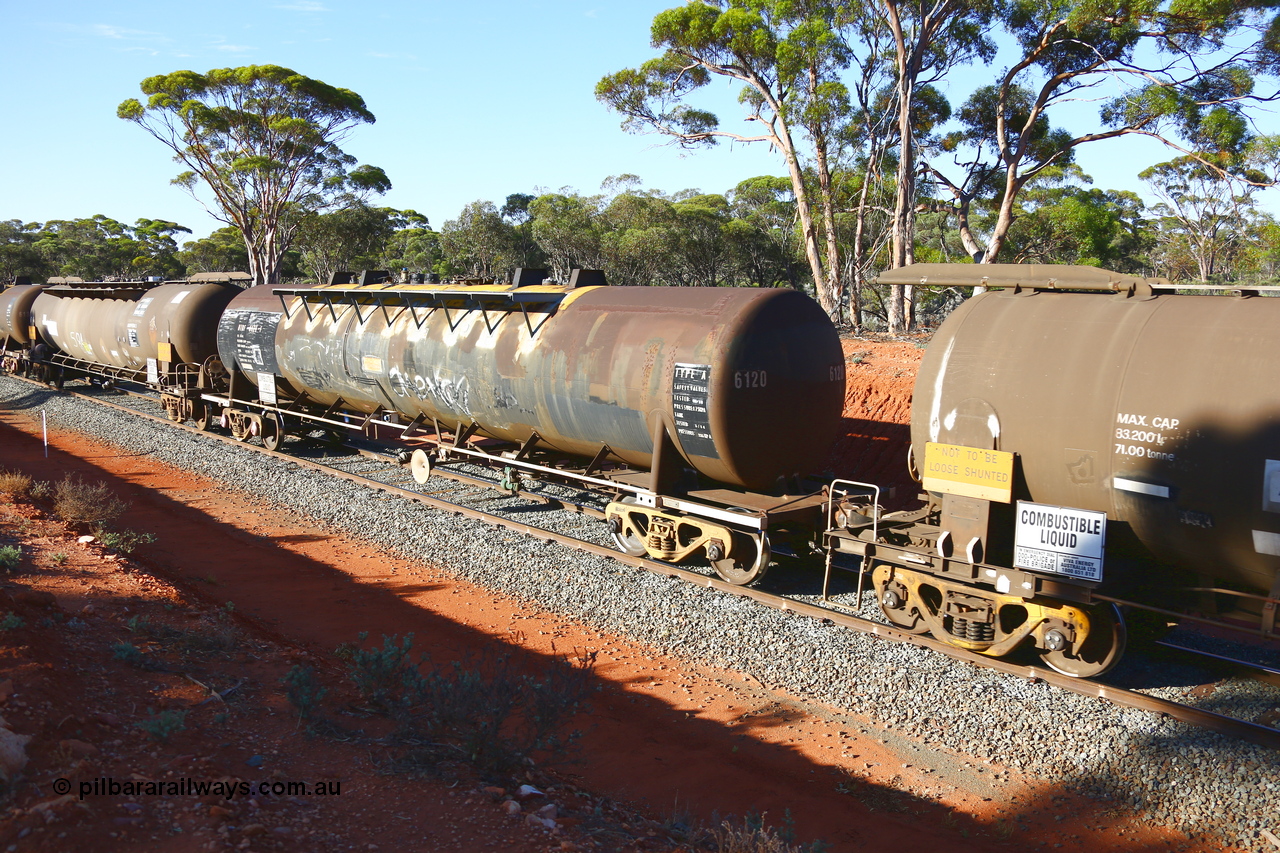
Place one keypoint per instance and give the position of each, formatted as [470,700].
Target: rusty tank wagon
[15,313]
[1080,434]
[15,324]
[152,332]
[673,393]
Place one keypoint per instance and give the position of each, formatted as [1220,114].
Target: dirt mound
[875,432]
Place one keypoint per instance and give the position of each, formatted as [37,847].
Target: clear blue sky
[473,100]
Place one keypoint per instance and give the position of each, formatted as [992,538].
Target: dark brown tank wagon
[1142,431]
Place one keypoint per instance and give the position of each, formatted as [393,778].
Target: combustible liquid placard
[1060,540]
[970,472]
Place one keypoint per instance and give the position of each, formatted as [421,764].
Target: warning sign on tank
[969,472]
[1060,540]
[690,389]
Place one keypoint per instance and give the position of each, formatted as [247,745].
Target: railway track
[1210,720]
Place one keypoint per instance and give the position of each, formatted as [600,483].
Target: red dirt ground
[664,737]
[876,428]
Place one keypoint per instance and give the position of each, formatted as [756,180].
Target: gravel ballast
[1177,775]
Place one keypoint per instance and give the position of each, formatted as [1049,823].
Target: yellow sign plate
[970,472]
[164,351]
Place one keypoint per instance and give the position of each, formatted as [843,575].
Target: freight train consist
[1085,440]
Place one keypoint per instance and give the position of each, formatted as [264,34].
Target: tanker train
[1086,441]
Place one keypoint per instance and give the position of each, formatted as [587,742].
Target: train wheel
[741,572]
[895,607]
[1102,648]
[632,546]
[273,432]
[201,415]
[420,466]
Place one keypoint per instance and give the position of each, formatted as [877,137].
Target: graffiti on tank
[447,392]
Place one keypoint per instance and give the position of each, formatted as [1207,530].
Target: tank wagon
[151,332]
[671,393]
[1084,436]
[15,325]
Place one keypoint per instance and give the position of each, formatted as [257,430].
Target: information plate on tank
[969,472]
[690,389]
[267,388]
[1060,540]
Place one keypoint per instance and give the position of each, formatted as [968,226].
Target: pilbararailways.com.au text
[228,789]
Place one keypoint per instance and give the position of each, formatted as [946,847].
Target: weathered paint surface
[1162,411]
[748,383]
[15,312]
[125,332]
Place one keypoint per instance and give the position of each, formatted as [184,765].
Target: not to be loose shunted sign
[1060,540]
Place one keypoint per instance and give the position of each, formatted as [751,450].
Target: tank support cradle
[1081,641]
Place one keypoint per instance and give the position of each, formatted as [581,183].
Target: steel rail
[1222,724]
[1256,671]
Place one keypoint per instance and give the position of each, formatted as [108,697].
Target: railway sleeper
[1078,640]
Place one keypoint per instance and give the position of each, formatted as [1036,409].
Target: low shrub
[303,691]
[753,836]
[78,502]
[10,556]
[123,541]
[14,484]
[164,725]
[493,713]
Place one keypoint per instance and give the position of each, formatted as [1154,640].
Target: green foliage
[130,654]
[12,622]
[351,239]
[303,691]
[265,141]
[19,254]
[122,541]
[164,725]
[221,251]
[10,557]
[493,714]
[379,673]
[92,248]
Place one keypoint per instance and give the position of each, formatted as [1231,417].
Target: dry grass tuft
[13,484]
[78,502]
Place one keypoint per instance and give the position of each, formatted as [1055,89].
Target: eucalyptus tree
[264,141]
[19,255]
[480,242]
[762,234]
[101,247]
[222,251]
[567,227]
[1200,215]
[637,234]
[1182,71]
[788,57]
[414,247]
[348,239]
